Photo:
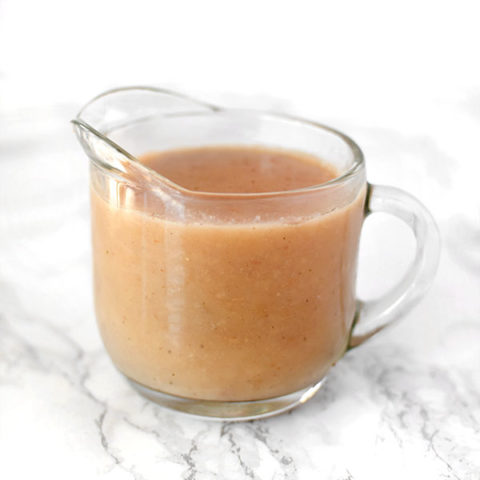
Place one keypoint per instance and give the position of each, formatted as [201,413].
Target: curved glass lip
[358,162]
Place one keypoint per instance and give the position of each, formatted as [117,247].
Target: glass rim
[356,166]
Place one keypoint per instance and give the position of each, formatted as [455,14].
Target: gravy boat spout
[116,126]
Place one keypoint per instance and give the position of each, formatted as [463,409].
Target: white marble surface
[404,405]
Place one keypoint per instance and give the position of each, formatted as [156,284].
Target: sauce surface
[239,169]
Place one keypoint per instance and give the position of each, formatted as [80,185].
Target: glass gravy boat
[232,305]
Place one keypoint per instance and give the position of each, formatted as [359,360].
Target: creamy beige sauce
[225,311]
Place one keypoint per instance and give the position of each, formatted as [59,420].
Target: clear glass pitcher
[232,305]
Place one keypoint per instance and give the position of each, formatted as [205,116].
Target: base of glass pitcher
[229,411]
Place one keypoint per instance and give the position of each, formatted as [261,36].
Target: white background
[327,58]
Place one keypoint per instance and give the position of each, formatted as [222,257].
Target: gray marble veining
[405,405]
